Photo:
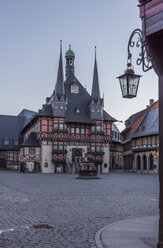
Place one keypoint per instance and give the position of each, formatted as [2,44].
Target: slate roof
[133,118]
[81,101]
[32,140]
[149,125]
[28,114]
[46,110]
[10,127]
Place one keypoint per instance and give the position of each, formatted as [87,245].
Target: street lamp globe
[129,83]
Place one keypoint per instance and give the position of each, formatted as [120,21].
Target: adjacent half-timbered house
[141,140]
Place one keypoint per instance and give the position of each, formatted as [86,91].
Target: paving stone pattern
[76,209]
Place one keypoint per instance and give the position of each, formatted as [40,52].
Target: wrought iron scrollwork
[144,58]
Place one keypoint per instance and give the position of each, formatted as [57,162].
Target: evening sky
[29,51]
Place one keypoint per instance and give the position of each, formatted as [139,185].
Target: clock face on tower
[74,89]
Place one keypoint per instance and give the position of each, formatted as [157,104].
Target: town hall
[72,127]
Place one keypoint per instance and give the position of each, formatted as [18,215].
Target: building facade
[72,127]
[116,149]
[141,140]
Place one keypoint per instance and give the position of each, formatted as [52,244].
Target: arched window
[151,162]
[138,163]
[6,141]
[145,162]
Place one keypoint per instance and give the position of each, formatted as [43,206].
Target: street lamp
[129,81]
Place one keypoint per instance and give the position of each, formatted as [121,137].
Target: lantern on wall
[129,83]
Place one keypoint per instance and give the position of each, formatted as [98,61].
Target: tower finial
[95,84]
[69,47]
[59,87]
[60,45]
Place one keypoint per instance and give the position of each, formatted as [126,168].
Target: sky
[31,31]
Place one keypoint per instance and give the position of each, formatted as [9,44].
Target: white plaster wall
[106,159]
[46,156]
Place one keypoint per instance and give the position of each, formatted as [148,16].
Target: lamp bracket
[144,58]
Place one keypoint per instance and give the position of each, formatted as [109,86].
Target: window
[55,147]
[15,156]
[92,148]
[32,150]
[16,141]
[61,107]
[72,130]
[6,141]
[93,128]
[98,148]
[56,107]
[60,147]
[61,126]
[82,131]
[102,148]
[77,130]
[98,128]
[55,125]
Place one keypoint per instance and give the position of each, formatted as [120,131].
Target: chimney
[151,101]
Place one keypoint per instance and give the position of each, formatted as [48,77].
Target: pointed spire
[95,84]
[59,87]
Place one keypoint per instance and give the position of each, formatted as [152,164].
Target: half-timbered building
[141,140]
[71,127]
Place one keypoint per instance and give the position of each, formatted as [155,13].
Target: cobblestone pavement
[76,209]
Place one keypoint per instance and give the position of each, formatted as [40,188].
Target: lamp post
[150,41]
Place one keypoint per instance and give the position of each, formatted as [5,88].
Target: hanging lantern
[129,83]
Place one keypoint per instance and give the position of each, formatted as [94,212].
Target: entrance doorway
[76,155]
